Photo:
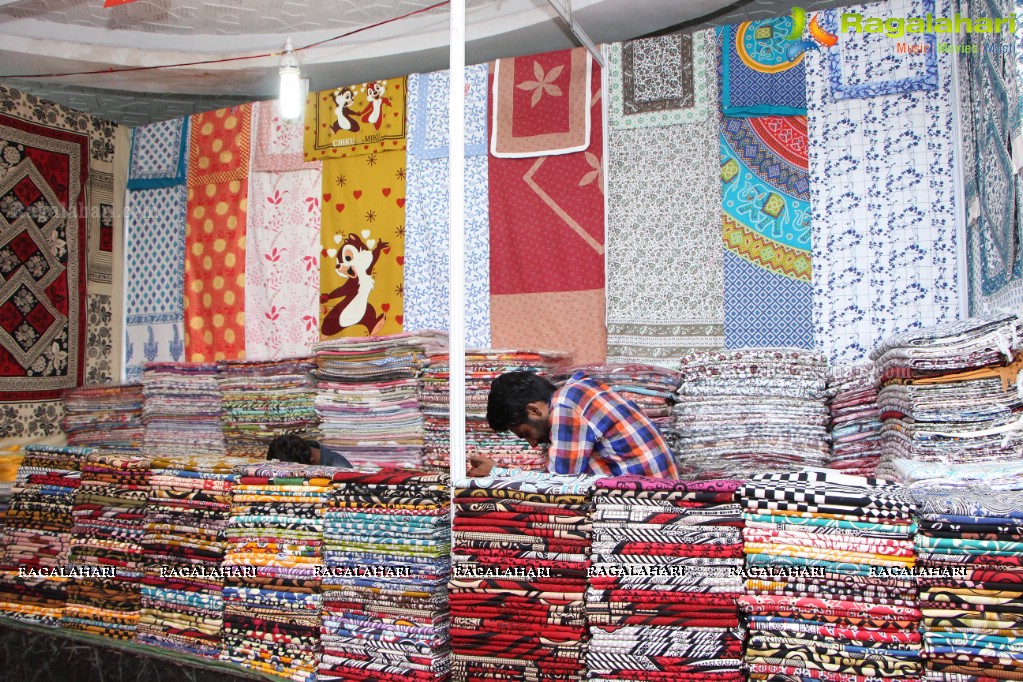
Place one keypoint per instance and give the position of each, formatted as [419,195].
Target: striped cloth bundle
[37,535]
[187,516]
[387,543]
[110,522]
[665,575]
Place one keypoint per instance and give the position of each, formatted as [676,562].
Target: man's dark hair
[509,395]
[290,448]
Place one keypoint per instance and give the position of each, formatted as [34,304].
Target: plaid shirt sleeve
[572,436]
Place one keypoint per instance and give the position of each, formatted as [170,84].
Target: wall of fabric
[58,215]
[732,220]
[665,277]
[992,156]
[882,184]
[547,205]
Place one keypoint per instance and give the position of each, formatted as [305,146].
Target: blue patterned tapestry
[763,308]
[426,207]
[870,64]
[883,199]
[758,76]
[158,154]
[989,97]
[155,278]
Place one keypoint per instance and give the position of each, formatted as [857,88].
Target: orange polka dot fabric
[215,235]
[219,145]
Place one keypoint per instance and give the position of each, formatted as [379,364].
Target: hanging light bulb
[291,95]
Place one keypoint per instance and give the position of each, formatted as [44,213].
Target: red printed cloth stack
[665,575]
[520,555]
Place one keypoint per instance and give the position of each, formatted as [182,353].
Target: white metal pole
[456,239]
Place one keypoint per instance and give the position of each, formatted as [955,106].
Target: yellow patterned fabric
[362,272]
[355,120]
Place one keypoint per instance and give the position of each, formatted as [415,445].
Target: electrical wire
[223,60]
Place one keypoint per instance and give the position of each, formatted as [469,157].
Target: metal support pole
[456,238]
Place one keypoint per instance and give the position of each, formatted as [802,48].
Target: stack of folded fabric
[187,516]
[367,396]
[970,556]
[10,460]
[104,416]
[951,404]
[182,410]
[855,419]
[37,536]
[831,593]
[518,586]
[273,568]
[110,522]
[744,412]
[667,559]
[481,368]
[387,544]
[263,399]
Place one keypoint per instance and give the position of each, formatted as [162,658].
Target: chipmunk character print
[343,112]
[355,261]
[373,114]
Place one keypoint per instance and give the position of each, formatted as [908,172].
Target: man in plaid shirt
[590,428]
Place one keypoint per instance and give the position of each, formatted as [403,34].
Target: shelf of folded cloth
[35,653]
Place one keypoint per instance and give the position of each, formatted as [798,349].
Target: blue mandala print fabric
[758,78]
[426,208]
[992,150]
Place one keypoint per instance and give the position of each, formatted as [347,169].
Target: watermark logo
[897,27]
[818,37]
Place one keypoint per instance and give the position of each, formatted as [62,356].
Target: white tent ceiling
[72,36]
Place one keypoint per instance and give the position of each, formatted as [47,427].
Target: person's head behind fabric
[290,448]
[520,402]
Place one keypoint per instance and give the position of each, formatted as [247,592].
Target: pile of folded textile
[104,416]
[855,419]
[518,586]
[37,536]
[744,412]
[387,544]
[273,565]
[187,516]
[110,522]
[10,460]
[951,404]
[182,409]
[667,559]
[367,396]
[830,588]
[970,556]
[481,368]
[263,399]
